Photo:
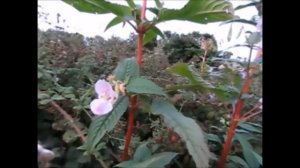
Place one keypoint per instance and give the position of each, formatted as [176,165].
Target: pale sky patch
[91,25]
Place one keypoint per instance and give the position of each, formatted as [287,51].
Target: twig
[70,119]
[131,25]
[250,111]
[72,123]
[252,115]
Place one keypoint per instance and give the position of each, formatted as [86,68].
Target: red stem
[139,49]
[133,104]
[133,100]
[143,10]
[233,123]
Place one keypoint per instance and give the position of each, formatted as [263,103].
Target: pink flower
[45,153]
[106,98]
[260,101]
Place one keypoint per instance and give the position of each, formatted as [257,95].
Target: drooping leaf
[242,45]
[158,32]
[127,164]
[249,127]
[258,157]
[200,11]
[215,138]
[186,128]
[87,6]
[246,5]
[100,6]
[247,150]
[142,153]
[127,68]
[144,86]
[155,161]
[254,38]
[154,11]
[185,70]
[239,21]
[158,4]
[113,22]
[131,3]
[238,160]
[151,34]
[102,124]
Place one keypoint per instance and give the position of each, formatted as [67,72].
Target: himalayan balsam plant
[123,90]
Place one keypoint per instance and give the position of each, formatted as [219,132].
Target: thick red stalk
[139,49]
[132,109]
[133,99]
[233,123]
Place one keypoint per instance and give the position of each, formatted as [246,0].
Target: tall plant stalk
[236,117]
[133,99]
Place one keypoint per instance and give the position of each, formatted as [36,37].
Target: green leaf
[40,75]
[57,97]
[238,160]
[154,11]
[70,96]
[142,153]
[99,6]
[158,32]
[254,38]
[149,35]
[186,128]
[144,86]
[131,3]
[127,164]
[247,150]
[113,22]
[247,5]
[102,124]
[158,4]
[249,127]
[45,101]
[43,96]
[127,68]
[185,70]
[155,161]
[200,11]
[87,6]
[215,138]
[70,136]
[187,87]
[258,157]
[239,21]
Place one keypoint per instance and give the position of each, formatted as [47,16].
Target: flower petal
[101,87]
[100,106]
